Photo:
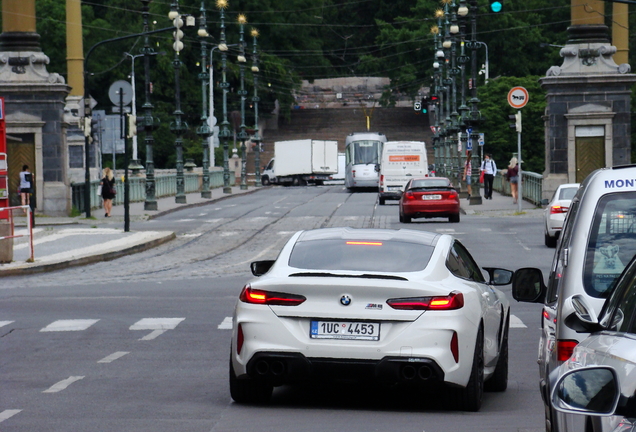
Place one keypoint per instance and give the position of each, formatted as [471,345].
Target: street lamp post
[149,122]
[475,115]
[242,136]
[204,130]
[178,126]
[135,166]
[256,139]
[224,133]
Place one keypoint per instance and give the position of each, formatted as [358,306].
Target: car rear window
[567,193]
[611,244]
[360,255]
[429,183]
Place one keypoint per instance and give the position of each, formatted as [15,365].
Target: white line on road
[4,323]
[6,414]
[185,220]
[226,324]
[515,322]
[153,335]
[63,384]
[156,324]
[114,356]
[69,325]
[189,235]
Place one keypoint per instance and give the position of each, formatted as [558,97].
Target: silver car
[556,210]
[605,395]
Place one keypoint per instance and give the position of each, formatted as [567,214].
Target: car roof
[346,233]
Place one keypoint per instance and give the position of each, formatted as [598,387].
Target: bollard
[6,245]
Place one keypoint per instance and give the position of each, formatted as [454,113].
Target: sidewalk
[500,205]
[61,242]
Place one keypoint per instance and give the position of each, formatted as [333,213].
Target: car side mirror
[528,286]
[545,202]
[499,276]
[584,319]
[259,268]
[377,167]
[593,391]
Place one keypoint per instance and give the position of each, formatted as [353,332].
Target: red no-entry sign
[518,97]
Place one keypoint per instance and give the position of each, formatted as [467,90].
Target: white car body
[273,343]
[556,210]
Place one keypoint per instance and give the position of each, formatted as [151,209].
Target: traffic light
[131,125]
[516,118]
[496,5]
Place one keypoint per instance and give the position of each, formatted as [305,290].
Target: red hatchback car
[429,197]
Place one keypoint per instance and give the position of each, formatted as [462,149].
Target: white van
[597,242]
[401,161]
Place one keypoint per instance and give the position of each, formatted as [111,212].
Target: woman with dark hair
[26,186]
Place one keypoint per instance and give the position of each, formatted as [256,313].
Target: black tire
[454,218]
[406,219]
[296,181]
[550,241]
[471,397]
[498,382]
[249,391]
[265,181]
[381,201]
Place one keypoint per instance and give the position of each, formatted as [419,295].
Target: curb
[90,259]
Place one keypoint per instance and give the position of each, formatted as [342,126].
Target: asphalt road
[142,343]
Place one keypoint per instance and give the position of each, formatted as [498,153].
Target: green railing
[165,185]
[531,189]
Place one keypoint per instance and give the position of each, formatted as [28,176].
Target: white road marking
[6,414]
[228,233]
[190,235]
[4,323]
[515,322]
[114,356]
[447,230]
[226,324]
[485,229]
[185,220]
[203,214]
[351,218]
[63,384]
[158,325]
[69,325]
[212,220]
[285,232]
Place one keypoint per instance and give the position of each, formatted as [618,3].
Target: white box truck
[401,161]
[300,162]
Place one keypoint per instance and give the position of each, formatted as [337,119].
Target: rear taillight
[409,195]
[254,296]
[454,346]
[239,339]
[556,209]
[453,194]
[454,300]
[353,173]
[565,348]
[382,180]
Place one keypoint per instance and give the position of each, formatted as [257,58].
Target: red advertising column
[4,165]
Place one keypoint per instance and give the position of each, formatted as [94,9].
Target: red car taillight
[452,194]
[382,180]
[565,348]
[454,300]
[254,296]
[555,209]
[409,195]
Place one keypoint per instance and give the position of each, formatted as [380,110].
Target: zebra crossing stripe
[157,325]
[4,323]
[515,322]
[58,387]
[114,356]
[7,414]
[226,324]
[69,325]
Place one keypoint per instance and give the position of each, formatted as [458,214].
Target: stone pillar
[34,106]
[587,117]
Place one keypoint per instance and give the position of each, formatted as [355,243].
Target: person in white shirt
[489,168]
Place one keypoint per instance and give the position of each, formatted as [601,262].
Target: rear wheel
[498,382]
[454,218]
[470,397]
[296,181]
[249,391]
[381,201]
[405,219]
[550,241]
[265,181]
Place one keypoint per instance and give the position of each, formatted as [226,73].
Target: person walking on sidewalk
[26,186]
[468,169]
[489,169]
[108,190]
[513,178]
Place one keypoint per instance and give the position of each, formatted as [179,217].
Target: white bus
[362,157]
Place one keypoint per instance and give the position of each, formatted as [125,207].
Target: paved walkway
[60,242]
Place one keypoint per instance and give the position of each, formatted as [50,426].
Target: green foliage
[500,139]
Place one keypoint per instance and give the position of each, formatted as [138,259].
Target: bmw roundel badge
[345,300]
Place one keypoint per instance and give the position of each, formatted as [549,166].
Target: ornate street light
[224,132]
[242,136]
[178,127]
[475,115]
[149,122]
[204,130]
[256,138]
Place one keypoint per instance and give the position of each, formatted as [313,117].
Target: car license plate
[394,188]
[431,197]
[351,330]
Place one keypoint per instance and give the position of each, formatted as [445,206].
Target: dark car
[428,198]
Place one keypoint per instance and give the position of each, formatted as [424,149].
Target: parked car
[604,395]
[395,307]
[428,198]
[554,213]
[597,241]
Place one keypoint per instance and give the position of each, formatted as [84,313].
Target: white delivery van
[401,161]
